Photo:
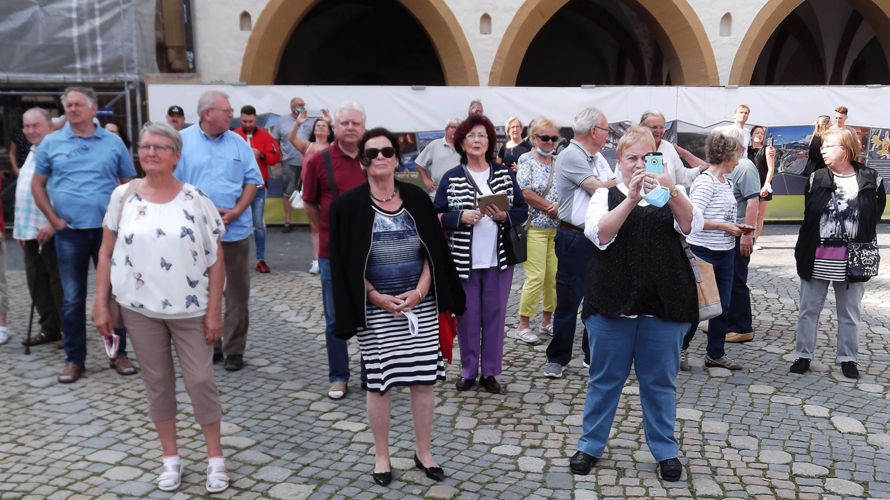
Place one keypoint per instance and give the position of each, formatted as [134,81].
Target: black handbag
[863,259]
[516,244]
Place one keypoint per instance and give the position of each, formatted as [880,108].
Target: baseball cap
[175,110]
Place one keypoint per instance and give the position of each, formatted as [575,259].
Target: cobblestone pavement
[760,432]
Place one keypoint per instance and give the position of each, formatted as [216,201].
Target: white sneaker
[4,335]
[313,269]
[547,329]
[526,335]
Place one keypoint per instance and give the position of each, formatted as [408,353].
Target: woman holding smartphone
[715,244]
[477,245]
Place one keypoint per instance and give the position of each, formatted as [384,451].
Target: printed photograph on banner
[792,143]
[427,136]
[616,130]
[878,145]
[864,136]
[692,137]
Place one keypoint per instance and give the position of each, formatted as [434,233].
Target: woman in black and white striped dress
[392,274]
[711,193]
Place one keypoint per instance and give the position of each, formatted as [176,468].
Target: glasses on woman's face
[477,137]
[548,138]
[371,153]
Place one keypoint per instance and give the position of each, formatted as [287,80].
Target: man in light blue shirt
[76,170]
[221,164]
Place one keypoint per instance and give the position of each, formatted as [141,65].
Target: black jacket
[352,218]
[872,199]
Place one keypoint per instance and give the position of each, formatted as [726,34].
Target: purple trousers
[481,328]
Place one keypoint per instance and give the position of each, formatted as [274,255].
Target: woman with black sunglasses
[392,274]
[534,174]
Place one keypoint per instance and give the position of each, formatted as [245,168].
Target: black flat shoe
[581,463]
[434,473]
[464,384]
[382,478]
[490,384]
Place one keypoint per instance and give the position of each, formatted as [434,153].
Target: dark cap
[175,110]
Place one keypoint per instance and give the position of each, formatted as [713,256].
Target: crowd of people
[401,264]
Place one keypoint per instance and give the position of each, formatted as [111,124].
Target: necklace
[389,198]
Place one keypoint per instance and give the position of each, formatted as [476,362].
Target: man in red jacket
[267,153]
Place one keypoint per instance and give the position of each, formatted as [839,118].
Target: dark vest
[644,271]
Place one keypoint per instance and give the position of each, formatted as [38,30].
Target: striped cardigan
[456,193]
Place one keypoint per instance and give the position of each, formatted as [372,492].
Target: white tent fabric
[426,108]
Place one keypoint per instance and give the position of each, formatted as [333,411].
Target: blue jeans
[74,249]
[652,346]
[573,250]
[723,262]
[258,209]
[338,354]
[739,318]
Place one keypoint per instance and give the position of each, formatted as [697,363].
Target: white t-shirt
[161,257]
[485,232]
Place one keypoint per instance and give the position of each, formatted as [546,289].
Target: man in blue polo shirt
[76,170]
[221,164]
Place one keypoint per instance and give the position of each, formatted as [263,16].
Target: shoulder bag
[708,295]
[117,319]
[516,241]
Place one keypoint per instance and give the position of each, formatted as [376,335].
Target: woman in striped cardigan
[477,246]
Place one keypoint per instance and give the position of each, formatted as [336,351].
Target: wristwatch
[675,192]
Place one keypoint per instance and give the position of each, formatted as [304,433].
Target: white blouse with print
[160,263]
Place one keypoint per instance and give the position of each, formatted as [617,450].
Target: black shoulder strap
[329,167]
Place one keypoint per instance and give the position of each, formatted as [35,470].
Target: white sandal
[217,479]
[170,477]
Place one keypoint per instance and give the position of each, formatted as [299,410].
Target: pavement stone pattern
[756,433]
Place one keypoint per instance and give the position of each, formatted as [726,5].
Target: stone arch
[275,25]
[775,11]
[676,26]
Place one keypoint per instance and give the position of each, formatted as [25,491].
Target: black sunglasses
[371,153]
[548,138]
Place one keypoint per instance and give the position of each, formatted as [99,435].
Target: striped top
[459,195]
[717,203]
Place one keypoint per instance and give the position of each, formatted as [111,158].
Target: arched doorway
[816,42]
[575,42]
[358,42]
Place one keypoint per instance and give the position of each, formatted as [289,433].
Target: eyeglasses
[548,138]
[371,153]
[155,147]
[228,111]
[479,137]
[601,128]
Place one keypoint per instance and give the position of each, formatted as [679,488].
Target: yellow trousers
[540,272]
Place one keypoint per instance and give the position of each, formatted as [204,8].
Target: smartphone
[770,141]
[654,163]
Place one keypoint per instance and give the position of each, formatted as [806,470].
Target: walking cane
[31,318]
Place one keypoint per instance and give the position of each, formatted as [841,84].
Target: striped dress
[392,355]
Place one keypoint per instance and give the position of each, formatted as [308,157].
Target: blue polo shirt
[81,173]
[220,167]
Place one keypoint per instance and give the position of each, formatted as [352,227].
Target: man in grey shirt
[580,170]
[291,159]
[746,189]
[438,157]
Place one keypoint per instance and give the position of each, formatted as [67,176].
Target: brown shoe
[123,366]
[738,338]
[71,373]
[337,390]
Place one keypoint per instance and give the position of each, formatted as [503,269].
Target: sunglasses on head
[548,138]
[371,153]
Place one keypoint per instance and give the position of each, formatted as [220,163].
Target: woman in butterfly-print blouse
[161,260]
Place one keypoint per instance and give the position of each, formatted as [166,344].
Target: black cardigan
[872,199]
[351,222]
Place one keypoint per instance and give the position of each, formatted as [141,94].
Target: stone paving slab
[756,433]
